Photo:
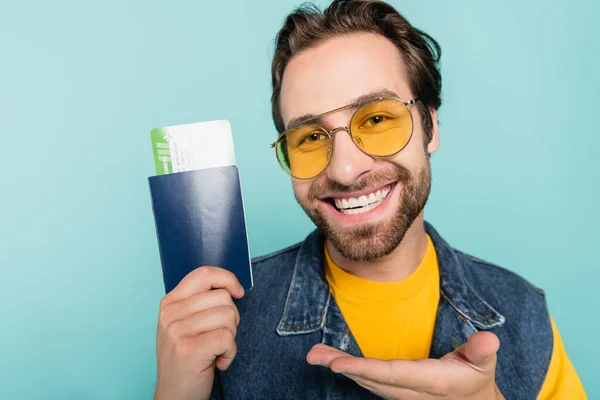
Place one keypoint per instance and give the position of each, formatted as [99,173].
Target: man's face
[329,76]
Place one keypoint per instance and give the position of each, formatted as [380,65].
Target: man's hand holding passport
[201,230]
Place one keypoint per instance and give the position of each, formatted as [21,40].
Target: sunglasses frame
[345,128]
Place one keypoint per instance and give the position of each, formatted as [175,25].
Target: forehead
[338,70]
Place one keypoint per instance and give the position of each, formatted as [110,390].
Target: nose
[347,161]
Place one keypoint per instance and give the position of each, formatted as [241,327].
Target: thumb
[481,349]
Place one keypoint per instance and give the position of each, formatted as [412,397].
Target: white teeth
[364,202]
[361,210]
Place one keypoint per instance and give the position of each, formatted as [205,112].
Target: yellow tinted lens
[382,127]
[304,151]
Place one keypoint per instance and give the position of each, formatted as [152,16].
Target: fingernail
[241,291]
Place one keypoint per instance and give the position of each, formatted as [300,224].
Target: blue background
[81,85]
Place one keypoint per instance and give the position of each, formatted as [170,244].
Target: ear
[434,143]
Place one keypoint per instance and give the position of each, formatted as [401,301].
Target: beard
[371,242]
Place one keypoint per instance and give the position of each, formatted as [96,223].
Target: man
[375,302]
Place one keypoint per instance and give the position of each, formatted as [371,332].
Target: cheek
[413,156]
[416,149]
[301,189]
[418,136]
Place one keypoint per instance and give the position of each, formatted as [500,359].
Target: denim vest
[290,309]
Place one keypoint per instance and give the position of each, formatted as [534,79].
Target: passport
[199,210]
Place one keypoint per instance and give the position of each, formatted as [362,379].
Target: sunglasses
[379,128]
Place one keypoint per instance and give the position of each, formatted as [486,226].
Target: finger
[221,317]
[222,345]
[409,374]
[480,350]
[368,384]
[181,309]
[322,355]
[203,279]
[385,391]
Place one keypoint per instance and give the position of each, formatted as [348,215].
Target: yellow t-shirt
[396,320]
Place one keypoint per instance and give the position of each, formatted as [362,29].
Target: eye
[377,119]
[313,137]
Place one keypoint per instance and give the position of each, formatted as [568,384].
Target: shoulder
[521,303]
[277,256]
[279,262]
[496,279]
[483,277]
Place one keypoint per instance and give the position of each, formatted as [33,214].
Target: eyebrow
[362,99]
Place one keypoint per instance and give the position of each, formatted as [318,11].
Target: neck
[397,265]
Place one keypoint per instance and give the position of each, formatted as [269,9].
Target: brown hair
[307,26]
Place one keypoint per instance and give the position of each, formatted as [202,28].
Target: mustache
[396,173]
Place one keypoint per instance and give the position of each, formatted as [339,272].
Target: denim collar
[308,303]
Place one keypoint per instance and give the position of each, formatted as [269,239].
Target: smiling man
[374,302]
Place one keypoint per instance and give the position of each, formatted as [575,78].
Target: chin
[369,242]
[378,232]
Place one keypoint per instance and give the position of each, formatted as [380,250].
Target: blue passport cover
[199,217]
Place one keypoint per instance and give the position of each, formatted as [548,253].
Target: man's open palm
[466,373]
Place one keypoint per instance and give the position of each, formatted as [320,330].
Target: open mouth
[362,204]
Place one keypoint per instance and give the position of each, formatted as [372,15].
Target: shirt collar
[308,297]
